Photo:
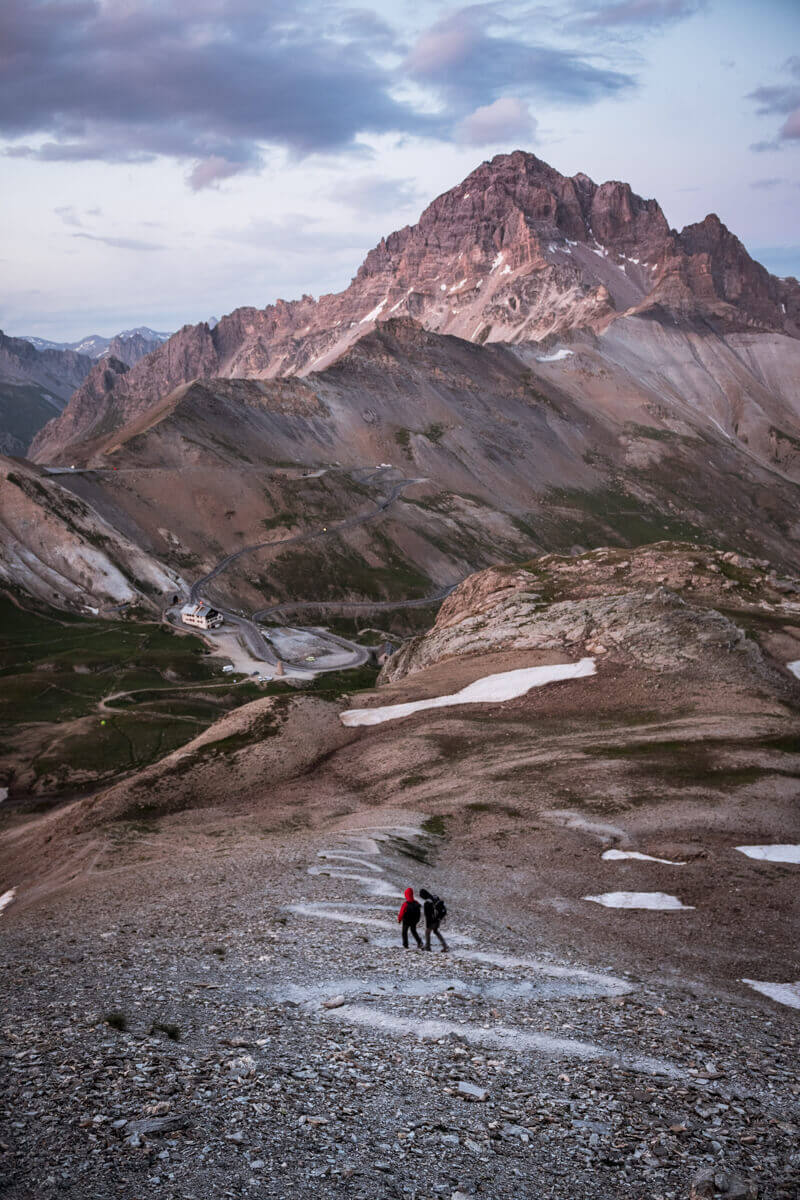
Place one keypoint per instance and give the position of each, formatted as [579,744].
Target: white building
[201,615]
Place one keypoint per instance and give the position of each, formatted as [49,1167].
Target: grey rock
[157,1125]
[471,1091]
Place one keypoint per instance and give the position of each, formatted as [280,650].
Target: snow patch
[618,855]
[784,993]
[777,853]
[7,898]
[794,667]
[371,316]
[492,689]
[506,270]
[458,285]
[556,356]
[652,900]
[3,794]
[498,258]
[724,432]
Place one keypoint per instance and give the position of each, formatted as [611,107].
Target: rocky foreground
[203,1017]
[204,992]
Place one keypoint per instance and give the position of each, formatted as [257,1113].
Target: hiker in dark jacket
[435,913]
[408,917]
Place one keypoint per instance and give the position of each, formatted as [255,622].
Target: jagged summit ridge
[517,252]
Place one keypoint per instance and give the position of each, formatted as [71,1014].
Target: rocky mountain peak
[517,252]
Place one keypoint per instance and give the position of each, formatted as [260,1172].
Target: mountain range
[547,364]
[97,346]
[37,377]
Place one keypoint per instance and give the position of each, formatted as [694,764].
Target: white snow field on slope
[556,356]
[660,901]
[7,898]
[794,667]
[491,689]
[784,993]
[778,853]
[619,855]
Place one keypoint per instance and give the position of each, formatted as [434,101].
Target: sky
[162,163]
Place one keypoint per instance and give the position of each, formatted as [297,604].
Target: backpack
[439,909]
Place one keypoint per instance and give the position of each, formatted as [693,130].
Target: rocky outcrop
[517,252]
[608,604]
[706,273]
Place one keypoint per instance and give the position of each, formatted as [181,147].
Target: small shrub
[173,1032]
[117,1020]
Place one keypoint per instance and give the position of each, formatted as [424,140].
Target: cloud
[767,184]
[120,243]
[68,215]
[782,99]
[375,194]
[211,171]
[640,13]
[506,120]
[71,216]
[208,83]
[295,235]
[478,55]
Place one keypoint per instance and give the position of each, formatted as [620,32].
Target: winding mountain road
[253,637]
[328,531]
[355,605]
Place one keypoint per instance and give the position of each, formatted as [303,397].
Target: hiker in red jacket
[409,916]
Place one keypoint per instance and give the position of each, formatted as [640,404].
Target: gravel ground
[201,1017]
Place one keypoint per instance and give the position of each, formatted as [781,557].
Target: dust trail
[330,855]
[378,887]
[499,1037]
[334,914]
[612,985]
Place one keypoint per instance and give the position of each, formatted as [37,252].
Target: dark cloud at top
[477,55]
[781,99]
[208,82]
[213,82]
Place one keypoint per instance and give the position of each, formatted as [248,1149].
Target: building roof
[199,608]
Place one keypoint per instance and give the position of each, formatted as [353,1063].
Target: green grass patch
[610,517]
[403,439]
[434,432]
